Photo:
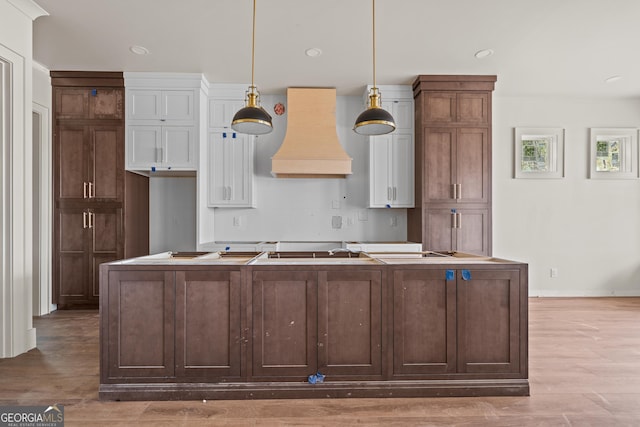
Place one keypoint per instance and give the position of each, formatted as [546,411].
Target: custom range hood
[311,148]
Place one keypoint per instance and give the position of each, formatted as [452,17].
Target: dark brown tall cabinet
[100,212]
[452,164]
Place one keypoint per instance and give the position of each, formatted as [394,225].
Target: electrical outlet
[554,272]
[336,222]
[236,221]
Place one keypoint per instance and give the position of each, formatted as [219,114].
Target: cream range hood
[311,148]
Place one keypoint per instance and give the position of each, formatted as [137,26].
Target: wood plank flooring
[584,369]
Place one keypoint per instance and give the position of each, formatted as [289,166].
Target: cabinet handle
[84,220]
[454,220]
[162,159]
[229,193]
[90,219]
[394,193]
[459,191]
[91,194]
[389,193]
[84,190]
[459,221]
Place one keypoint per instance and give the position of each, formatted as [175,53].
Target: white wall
[588,229]
[302,209]
[172,214]
[42,191]
[16,184]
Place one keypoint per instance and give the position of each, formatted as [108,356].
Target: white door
[144,147]
[380,185]
[178,147]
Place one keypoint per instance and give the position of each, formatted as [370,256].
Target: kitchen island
[312,324]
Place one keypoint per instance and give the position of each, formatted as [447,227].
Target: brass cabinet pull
[91,217]
[454,188]
[91,195]
[84,190]
[454,220]
[84,220]
[459,192]
[459,221]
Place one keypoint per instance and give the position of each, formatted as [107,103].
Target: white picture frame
[613,153]
[539,153]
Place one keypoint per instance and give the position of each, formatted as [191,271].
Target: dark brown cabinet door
[472,161]
[457,165]
[140,325]
[72,160]
[424,322]
[489,322]
[350,323]
[208,336]
[84,238]
[458,229]
[106,163]
[285,305]
[87,103]
[71,269]
[89,163]
[456,108]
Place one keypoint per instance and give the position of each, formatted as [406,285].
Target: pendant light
[252,119]
[374,120]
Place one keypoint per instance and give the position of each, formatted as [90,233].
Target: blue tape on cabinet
[450,275]
[466,275]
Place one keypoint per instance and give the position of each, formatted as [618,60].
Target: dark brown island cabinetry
[378,327]
[100,212]
[452,164]
[308,321]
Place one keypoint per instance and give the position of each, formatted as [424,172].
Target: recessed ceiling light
[613,79]
[313,52]
[483,53]
[139,50]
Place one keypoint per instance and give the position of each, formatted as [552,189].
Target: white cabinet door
[162,147]
[402,112]
[144,104]
[221,112]
[163,105]
[177,105]
[143,148]
[178,147]
[380,191]
[230,169]
[391,171]
[402,148]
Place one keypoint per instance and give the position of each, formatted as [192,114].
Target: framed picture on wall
[539,153]
[613,153]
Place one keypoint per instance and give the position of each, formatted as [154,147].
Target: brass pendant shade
[252,119]
[374,120]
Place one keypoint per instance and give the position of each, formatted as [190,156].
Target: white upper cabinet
[161,148]
[221,112]
[230,166]
[163,116]
[163,105]
[391,156]
[391,171]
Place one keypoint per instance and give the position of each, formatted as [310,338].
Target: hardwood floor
[584,368]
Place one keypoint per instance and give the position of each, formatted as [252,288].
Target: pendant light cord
[253,42]
[374,40]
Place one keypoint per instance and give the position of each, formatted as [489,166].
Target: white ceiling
[544,47]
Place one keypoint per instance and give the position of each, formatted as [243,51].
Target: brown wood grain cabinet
[310,321]
[452,162]
[208,329]
[386,329]
[100,212]
[141,325]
